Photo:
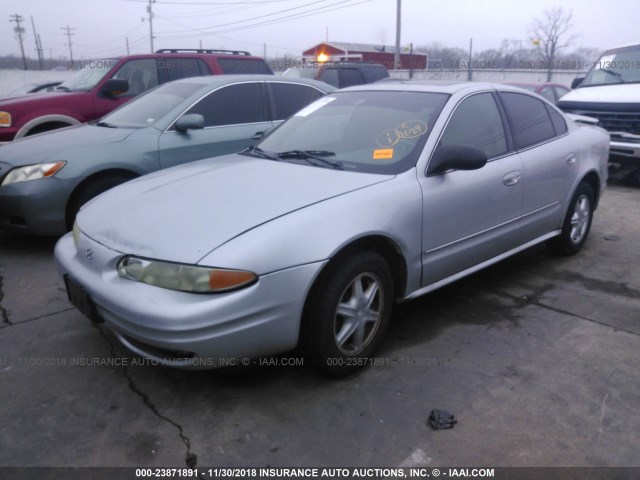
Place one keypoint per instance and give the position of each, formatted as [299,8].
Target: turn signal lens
[184,278]
[5,119]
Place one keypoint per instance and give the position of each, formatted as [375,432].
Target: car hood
[52,146]
[183,213]
[616,93]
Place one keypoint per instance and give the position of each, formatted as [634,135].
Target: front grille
[615,121]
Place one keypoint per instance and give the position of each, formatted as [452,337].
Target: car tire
[347,313]
[90,191]
[577,222]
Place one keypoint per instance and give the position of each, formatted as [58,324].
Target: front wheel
[90,191]
[577,222]
[348,312]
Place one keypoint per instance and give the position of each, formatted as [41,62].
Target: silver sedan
[366,197]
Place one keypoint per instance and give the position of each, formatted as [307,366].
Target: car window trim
[170,127]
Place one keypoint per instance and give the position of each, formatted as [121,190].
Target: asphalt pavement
[537,357]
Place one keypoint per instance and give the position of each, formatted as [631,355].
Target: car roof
[535,84]
[435,86]
[220,80]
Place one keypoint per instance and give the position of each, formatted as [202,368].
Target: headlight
[5,119]
[184,278]
[32,172]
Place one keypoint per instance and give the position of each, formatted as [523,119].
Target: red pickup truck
[100,86]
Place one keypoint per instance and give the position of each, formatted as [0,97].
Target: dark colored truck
[339,74]
[100,86]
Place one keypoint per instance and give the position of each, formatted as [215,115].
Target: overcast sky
[101,26]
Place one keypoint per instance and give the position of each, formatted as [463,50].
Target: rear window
[243,66]
[372,73]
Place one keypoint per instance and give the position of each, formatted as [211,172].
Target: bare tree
[551,34]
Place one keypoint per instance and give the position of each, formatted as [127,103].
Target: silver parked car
[46,178]
[368,196]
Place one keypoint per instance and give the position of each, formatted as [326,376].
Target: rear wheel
[577,222]
[347,313]
[90,191]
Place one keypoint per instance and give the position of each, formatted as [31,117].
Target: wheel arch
[384,246]
[592,179]
[112,172]
[44,120]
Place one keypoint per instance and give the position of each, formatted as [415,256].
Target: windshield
[303,71]
[366,131]
[151,106]
[88,77]
[621,65]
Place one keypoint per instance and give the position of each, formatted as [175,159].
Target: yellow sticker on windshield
[383,154]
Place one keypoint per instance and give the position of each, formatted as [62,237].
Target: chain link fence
[563,77]
[11,80]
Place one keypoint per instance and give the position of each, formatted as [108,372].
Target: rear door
[472,216]
[233,114]
[550,161]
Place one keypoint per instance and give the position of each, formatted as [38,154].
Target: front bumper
[625,153]
[36,207]
[190,330]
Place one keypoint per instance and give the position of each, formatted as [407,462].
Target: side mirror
[190,121]
[576,82]
[456,157]
[114,86]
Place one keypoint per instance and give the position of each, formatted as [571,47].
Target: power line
[253,18]
[296,16]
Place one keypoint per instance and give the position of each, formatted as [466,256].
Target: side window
[559,125]
[330,76]
[243,66]
[350,76]
[476,123]
[561,91]
[176,68]
[141,75]
[232,105]
[529,119]
[547,93]
[373,74]
[289,98]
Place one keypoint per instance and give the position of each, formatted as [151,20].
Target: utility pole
[264,51]
[36,37]
[126,39]
[150,11]
[469,67]
[396,58]
[19,31]
[69,34]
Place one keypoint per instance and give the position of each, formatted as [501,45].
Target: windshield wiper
[63,88]
[313,154]
[615,74]
[103,124]
[253,150]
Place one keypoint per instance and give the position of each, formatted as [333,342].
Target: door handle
[571,159]
[257,136]
[511,178]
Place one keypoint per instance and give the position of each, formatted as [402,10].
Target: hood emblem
[89,253]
